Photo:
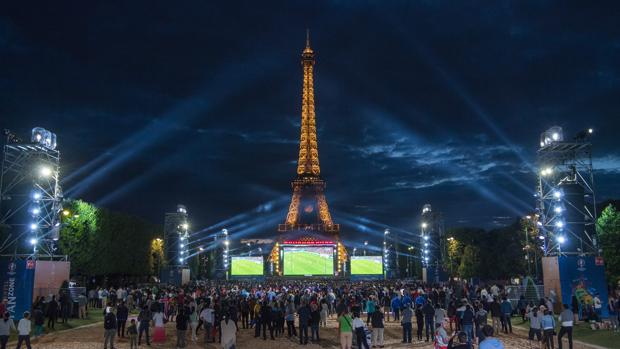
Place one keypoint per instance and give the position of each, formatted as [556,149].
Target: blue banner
[17,277]
[584,278]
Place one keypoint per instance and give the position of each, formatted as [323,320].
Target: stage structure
[566,207]
[432,243]
[308,242]
[30,194]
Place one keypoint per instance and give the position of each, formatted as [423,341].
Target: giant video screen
[366,265]
[245,266]
[308,260]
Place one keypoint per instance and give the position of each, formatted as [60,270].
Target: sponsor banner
[584,278]
[17,277]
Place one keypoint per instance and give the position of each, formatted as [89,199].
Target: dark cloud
[442,102]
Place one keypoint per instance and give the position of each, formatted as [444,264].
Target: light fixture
[182,245]
[555,136]
[185,226]
[201,248]
[424,225]
[33,226]
[590,131]
[558,209]
[559,224]
[36,195]
[36,211]
[66,213]
[181,260]
[226,242]
[557,194]
[425,237]
[34,241]
[561,239]
[541,237]
[45,171]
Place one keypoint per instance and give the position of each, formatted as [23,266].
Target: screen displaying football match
[366,265]
[246,266]
[308,260]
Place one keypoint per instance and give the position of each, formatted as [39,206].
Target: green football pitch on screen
[366,265]
[308,261]
[246,266]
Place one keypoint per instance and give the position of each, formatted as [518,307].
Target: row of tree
[103,242]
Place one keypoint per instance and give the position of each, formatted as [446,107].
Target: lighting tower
[566,206]
[176,236]
[431,241]
[30,193]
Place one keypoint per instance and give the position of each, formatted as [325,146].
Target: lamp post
[386,232]
[365,245]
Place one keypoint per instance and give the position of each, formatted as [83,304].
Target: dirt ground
[92,337]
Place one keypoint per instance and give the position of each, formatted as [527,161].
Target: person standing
[229,333]
[324,312]
[406,323]
[496,315]
[419,316]
[82,302]
[396,305]
[193,322]
[535,326]
[506,309]
[315,319]
[207,318]
[122,313]
[39,320]
[181,321]
[144,322]
[23,331]
[429,320]
[109,326]
[52,312]
[566,326]
[360,331]
[345,330]
[548,326]
[132,332]
[6,325]
[370,308]
[467,323]
[304,320]
[290,319]
[377,328]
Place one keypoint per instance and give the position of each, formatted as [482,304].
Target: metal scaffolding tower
[566,207]
[30,194]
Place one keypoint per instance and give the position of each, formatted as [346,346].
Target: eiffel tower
[308,210]
[308,220]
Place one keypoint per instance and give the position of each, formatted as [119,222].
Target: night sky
[157,103]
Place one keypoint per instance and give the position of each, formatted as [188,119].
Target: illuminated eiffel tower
[308,209]
[308,221]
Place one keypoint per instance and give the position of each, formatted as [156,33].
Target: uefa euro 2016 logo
[581,264]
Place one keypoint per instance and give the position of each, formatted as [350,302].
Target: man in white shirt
[207,317]
[23,331]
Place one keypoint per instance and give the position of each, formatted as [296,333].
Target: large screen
[308,260]
[366,265]
[246,266]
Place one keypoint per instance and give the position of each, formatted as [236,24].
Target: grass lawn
[360,266]
[583,333]
[307,263]
[243,266]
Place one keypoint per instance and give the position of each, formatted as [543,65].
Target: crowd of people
[214,312]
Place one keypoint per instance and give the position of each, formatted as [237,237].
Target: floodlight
[33,226]
[387,231]
[181,260]
[365,243]
[424,225]
[561,239]
[36,211]
[226,242]
[541,237]
[182,245]
[590,131]
[201,248]
[425,237]
[557,194]
[426,244]
[558,209]
[36,195]
[559,224]
[555,136]
[185,226]
[182,252]
[34,241]
[45,171]
[66,212]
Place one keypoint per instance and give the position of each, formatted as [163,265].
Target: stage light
[386,232]
[182,245]
[558,209]
[36,195]
[33,226]
[547,171]
[201,248]
[539,223]
[365,243]
[45,171]
[36,211]
[182,238]
[424,225]
[557,194]
[561,239]
[555,136]
[182,252]
[542,144]
[528,217]
[226,242]
[34,241]
[66,213]
[590,131]
[559,224]
[425,251]
[541,237]
[426,244]
[425,237]
[185,226]
[181,260]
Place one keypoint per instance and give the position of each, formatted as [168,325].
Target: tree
[470,262]
[608,230]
